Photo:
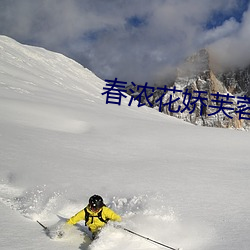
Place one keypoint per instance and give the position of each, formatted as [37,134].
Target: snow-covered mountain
[182,185]
[200,77]
[197,75]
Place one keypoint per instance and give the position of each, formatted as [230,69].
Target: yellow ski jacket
[94,223]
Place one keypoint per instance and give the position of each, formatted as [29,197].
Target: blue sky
[218,17]
[134,40]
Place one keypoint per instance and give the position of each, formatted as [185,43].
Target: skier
[95,214]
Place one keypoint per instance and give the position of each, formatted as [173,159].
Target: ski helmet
[95,202]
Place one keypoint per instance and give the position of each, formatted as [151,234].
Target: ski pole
[45,228]
[146,238]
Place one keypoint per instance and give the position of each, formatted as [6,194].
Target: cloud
[228,28]
[133,40]
[233,49]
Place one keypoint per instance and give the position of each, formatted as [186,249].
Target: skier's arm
[110,214]
[77,217]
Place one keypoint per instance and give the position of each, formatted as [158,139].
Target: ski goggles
[94,208]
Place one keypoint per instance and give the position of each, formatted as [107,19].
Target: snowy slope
[179,184]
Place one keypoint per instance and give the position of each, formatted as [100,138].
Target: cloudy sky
[134,40]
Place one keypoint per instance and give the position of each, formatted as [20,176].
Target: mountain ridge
[199,74]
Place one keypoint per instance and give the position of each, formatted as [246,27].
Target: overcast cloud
[134,40]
